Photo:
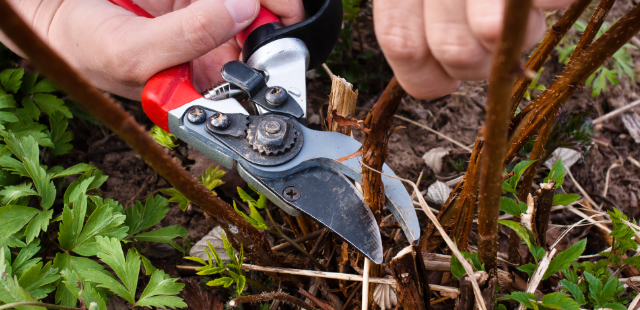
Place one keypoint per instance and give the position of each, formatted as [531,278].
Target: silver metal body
[285,61]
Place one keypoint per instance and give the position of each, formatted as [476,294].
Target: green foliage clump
[89,229]
[609,73]
[211,178]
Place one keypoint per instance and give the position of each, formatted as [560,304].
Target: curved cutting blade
[331,199]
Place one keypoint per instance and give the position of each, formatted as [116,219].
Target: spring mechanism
[222,90]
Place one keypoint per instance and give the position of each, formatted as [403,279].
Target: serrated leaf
[39,223]
[102,222]
[211,178]
[127,270]
[73,170]
[25,260]
[14,218]
[11,79]
[523,298]
[82,289]
[240,284]
[163,138]
[229,249]
[51,104]
[556,174]
[595,287]
[614,306]
[564,199]
[37,131]
[44,185]
[609,289]
[11,193]
[255,219]
[528,268]
[37,279]
[8,117]
[7,101]
[44,86]
[77,264]
[559,301]
[574,289]
[245,197]
[164,235]
[28,81]
[60,137]
[457,269]
[176,197]
[196,259]
[149,269]
[30,108]
[157,292]
[23,147]
[142,217]
[564,259]
[509,206]
[224,281]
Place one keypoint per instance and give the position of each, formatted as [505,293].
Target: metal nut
[291,193]
[275,95]
[196,115]
[219,120]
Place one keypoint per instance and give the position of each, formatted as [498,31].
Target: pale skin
[431,45]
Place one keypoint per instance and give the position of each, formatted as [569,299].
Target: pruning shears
[293,166]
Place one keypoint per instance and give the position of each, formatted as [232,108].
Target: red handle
[172,88]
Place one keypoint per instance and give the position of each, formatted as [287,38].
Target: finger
[453,43]
[289,11]
[551,4]
[399,28]
[206,69]
[486,17]
[147,46]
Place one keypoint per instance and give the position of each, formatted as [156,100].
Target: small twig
[326,69]
[323,305]
[295,244]
[355,290]
[580,189]
[39,304]
[634,304]
[302,239]
[538,274]
[462,146]
[365,284]
[271,296]
[633,161]
[616,112]
[606,182]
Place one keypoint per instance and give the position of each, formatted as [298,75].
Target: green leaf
[164,235]
[102,222]
[25,260]
[30,108]
[39,223]
[158,291]
[8,117]
[559,301]
[163,138]
[523,298]
[240,284]
[518,170]
[148,266]
[255,219]
[507,188]
[609,289]
[224,281]
[614,306]
[565,258]
[556,174]
[38,280]
[537,251]
[7,101]
[10,289]
[245,197]
[43,183]
[211,178]
[509,206]
[141,217]
[51,104]
[11,79]
[528,269]
[14,218]
[564,199]
[82,289]
[23,147]
[523,233]
[127,270]
[595,287]
[59,135]
[456,267]
[44,86]
[73,170]
[64,261]
[574,289]
[11,193]
[196,259]
[229,249]
[176,197]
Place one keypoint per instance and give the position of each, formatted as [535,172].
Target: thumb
[190,32]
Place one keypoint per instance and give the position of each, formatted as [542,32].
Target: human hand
[119,52]
[433,44]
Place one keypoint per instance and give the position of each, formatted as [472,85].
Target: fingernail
[241,10]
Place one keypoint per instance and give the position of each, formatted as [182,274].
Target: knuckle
[457,54]
[402,44]
[487,29]
[196,29]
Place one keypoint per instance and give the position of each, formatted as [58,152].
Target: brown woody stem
[120,122]
[598,17]
[541,220]
[505,65]
[544,49]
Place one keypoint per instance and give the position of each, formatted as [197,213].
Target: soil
[459,116]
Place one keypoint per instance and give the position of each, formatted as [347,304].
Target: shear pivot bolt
[291,193]
[275,95]
[272,127]
[196,115]
[219,120]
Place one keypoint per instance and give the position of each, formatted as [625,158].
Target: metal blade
[331,199]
